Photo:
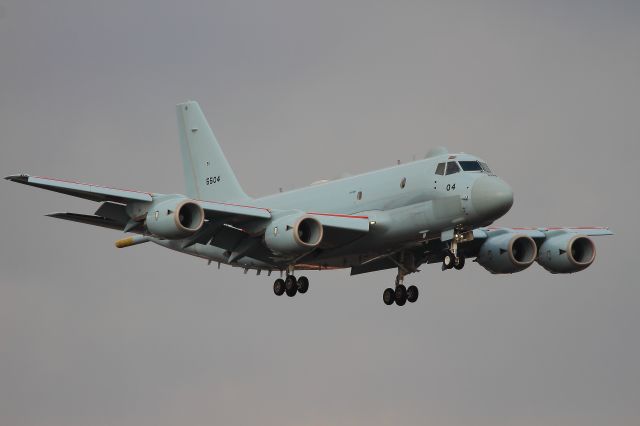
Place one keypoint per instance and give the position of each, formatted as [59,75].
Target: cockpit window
[440,169]
[470,166]
[486,168]
[452,167]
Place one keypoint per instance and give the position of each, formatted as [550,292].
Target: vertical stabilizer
[207,172]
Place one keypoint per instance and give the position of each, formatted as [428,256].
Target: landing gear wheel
[459,262]
[401,295]
[303,284]
[412,293]
[290,283]
[278,287]
[291,292]
[389,296]
[448,261]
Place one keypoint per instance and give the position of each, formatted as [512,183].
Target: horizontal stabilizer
[89,220]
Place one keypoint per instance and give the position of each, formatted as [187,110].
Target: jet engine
[507,253]
[566,253]
[175,218]
[293,235]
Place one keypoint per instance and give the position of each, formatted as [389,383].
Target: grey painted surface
[547,92]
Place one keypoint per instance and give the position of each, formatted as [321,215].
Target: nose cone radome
[491,197]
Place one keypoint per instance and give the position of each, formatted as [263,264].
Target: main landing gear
[401,294]
[290,285]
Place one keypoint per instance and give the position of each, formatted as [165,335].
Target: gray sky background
[548,92]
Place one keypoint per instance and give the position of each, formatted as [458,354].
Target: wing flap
[89,220]
[341,229]
[342,222]
[216,210]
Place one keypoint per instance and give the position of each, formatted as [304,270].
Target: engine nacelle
[507,253]
[175,218]
[293,235]
[566,253]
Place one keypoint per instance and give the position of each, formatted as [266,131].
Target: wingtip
[22,177]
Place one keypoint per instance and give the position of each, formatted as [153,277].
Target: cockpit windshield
[471,166]
[452,167]
[475,166]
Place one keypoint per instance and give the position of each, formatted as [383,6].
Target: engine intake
[174,219]
[567,253]
[293,235]
[507,253]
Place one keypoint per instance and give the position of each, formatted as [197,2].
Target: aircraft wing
[216,210]
[213,210]
[541,233]
[82,190]
[341,229]
[343,222]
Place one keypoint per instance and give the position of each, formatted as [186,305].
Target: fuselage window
[452,167]
[440,169]
[403,182]
[359,197]
[470,166]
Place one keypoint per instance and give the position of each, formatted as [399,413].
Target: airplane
[436,210]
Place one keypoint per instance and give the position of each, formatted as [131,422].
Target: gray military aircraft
[435,210]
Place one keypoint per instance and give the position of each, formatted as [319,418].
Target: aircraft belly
[215,254]
[397,229]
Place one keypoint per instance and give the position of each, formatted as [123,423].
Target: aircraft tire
[401,295]
[290,283]
[303,284]
[291,292]
[278,287]
[389,296]
[448,261]
[412,293]
[459,262]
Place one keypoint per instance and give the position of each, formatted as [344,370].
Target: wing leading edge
[541,233]
[82,190]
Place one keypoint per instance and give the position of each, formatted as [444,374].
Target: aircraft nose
[491,197]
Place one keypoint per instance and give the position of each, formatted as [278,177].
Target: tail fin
[207,172]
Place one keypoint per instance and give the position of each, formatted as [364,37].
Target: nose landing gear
[452,258]
[450,261]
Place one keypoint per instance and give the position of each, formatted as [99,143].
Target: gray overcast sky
[548,92]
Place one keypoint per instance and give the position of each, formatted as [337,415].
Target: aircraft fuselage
[406,204]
